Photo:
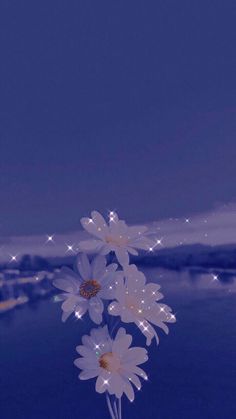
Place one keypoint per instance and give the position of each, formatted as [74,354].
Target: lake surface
[192,373]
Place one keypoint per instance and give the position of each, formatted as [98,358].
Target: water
[192,374]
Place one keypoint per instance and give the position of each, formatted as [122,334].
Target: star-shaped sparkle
[13,258]
[50,238]
[70,248]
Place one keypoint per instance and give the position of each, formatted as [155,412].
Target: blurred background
[125,106]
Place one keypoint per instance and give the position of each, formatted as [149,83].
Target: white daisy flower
[85,290]
[136,302]
[112,361]
[115,236]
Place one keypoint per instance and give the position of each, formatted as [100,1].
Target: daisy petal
[86,364]
[102,383]
[135,355]
[90,245]
[95,225]
[132,378]
[129,391]
[96,309]
[122,256]
[100,223]
[87,374]
[98,266]
[83,266]
[122,344]
[65,315]
[132,251]
[68,285]
[70,303]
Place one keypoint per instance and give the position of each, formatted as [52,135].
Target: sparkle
[144,326]
[13,258]
[78,315]
[162,309]
[215,277]
[187,220]
[112,216]
[97,346]
[159,242]
[50,238]
[70,248]
[90,221]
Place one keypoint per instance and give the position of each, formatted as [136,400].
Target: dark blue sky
[115,104]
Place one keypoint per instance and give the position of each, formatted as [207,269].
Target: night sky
[126,105]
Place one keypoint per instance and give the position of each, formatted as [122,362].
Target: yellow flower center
[89,288]
[110,361]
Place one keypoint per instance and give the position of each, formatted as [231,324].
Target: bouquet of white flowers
[106,288]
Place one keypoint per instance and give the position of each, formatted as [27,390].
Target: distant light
[50,238]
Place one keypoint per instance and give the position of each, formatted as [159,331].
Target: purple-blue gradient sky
[115,105]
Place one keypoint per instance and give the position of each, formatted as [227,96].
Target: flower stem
[109,406]
[115,410]
[120,415]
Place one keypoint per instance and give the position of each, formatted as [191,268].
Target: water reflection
[20,288]
[192,372]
